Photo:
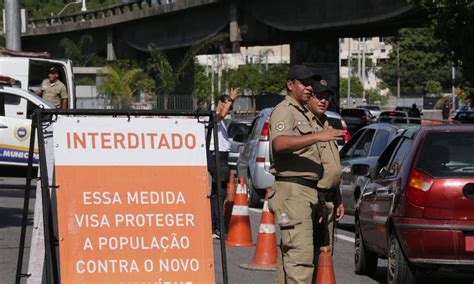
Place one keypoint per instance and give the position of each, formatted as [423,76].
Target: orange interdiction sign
[131,201]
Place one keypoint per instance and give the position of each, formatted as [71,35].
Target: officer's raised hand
[330,134]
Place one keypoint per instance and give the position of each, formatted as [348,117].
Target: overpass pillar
[110,45]
[321,52]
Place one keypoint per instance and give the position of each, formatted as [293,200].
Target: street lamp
[83,9]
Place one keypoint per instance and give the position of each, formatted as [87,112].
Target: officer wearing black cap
[329,195]
[53,90]
[296,165]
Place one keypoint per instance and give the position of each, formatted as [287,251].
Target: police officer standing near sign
[296,165]
[329,195]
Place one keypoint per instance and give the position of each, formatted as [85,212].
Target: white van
[29,69]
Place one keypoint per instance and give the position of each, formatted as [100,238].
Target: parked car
[394,116]
[337,122]
[374,109]
[464,117]
[16,109]
[365,146]
[403,108]
[417,207]
[254,160]
[238,131]
[356,118]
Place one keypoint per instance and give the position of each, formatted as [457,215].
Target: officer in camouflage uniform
[296,165]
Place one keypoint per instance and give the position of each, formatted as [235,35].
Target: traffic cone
[265,257]
[325,273]
[229,200]
[240,233]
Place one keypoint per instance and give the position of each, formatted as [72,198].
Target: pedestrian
[223,107]
[329,194]
[296,165]
[53,90]
[415,113]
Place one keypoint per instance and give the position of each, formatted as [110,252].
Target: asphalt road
[11,204]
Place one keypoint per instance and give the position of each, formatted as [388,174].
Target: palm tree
[119,86]
[166,75]
[75,52]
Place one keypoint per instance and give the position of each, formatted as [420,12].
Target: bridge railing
[112,10]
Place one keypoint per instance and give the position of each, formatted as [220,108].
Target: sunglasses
[322,97]
[306,83]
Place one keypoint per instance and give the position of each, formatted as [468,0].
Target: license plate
[469,243]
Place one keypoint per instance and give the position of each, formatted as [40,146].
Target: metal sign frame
[42,118]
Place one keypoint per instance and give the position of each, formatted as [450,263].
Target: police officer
[53,90]
[329,194]
[296,165]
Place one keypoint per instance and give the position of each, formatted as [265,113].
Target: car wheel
[254,198]
[399,270]
[365,261]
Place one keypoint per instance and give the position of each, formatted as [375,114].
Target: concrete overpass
[312,27]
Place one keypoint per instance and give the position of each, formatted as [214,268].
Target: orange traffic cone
[240,233]
[229,200]
[325,273]
[265,257]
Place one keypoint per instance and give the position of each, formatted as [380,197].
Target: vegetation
[422,58]
[453,22]
[356,87]
[77,52]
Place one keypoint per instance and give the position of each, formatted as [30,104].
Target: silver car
[238,131]
[254,159]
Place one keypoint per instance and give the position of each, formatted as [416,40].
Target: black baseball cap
[322,86]
[53,70]
[300,72]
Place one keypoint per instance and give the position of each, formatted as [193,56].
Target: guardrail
[90,15]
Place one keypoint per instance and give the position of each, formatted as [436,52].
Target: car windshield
[352,112]
[236,128]
[447,154]
[371,107]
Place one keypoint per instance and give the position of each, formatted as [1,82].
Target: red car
[417,209]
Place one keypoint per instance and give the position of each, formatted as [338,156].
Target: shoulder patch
[280,125]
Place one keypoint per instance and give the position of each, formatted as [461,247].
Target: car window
[10,99]
[363,147]
[447,154]
[335,122]
[352,112]
[384,158]
[254,127]
[397,161]
[348,149]
[380,142]
[238,128]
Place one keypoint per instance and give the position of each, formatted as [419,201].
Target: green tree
[257,80]
[373,97]
[433,87]
[453,21]
[168,76]
[356,87]
[119,86]
[202,84]
[76,52]
[422,58]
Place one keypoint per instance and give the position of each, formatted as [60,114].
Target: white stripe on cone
[266,229]
[265,207]
[239,210]
[241,189]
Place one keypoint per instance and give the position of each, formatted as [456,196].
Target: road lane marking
[345,238]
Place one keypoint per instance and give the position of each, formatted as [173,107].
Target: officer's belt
[298,180]
[327,195]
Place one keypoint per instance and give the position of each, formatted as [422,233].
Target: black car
[465,117]
[238,131]
[356,118]
[365,146]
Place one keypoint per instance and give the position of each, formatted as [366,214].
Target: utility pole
[363,69]
[12,25]
[349,74]
[453,83]
[358,57]
[398,70]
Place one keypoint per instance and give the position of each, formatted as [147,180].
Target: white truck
[29,69]
[20,74]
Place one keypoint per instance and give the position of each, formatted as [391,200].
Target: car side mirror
[360,170]
[240,138]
